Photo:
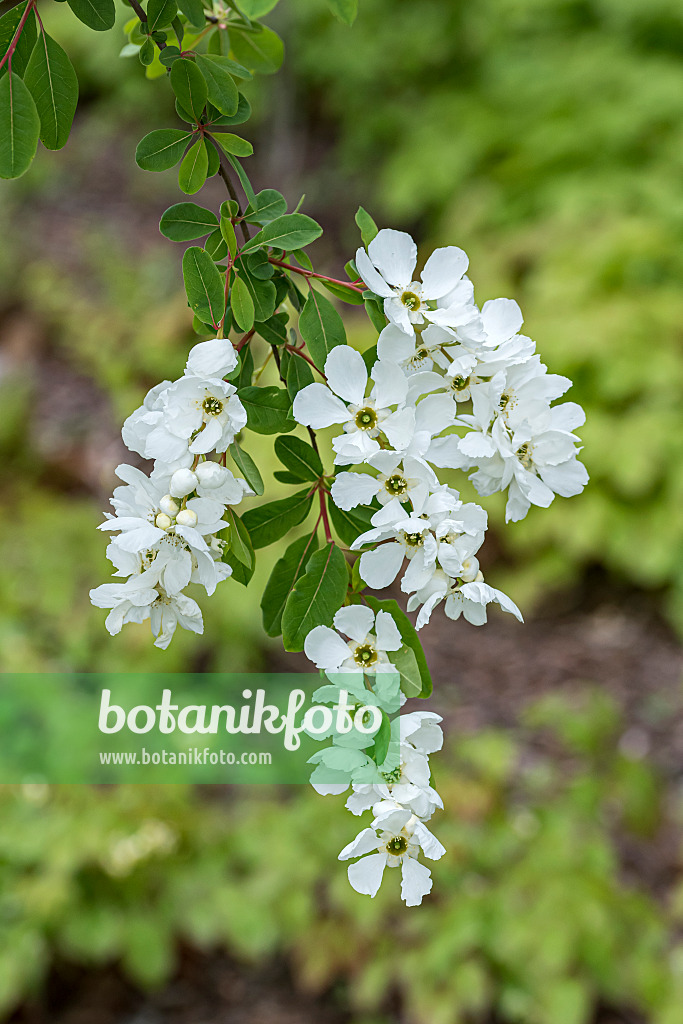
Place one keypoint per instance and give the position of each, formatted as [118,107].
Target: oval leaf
[188,84]
[316,597]
[293,231]
[185,221]
[99,15]
[221,86]
[204,285]
[286,572]
[194,168]
[248,467]
[54,87]
[270,522]
[233,144]
[161,149]
[259,51]
[241,305]
[160,14]
[19,127]
[300,458]
[267,409]
[321,327]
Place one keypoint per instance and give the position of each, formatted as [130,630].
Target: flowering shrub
[447,386]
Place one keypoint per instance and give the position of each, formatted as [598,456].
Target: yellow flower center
[366,419]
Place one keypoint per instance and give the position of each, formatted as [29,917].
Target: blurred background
[545,137]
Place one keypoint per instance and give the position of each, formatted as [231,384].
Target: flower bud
[169,505]
[183,482]
[186,517]
[210,474]
[163,521]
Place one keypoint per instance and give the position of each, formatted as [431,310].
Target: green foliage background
[546,138]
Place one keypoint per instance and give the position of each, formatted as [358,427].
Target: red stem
[15,40]
[323,514]
[318,277]
[300,352]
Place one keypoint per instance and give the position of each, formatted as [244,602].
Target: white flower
[213,358]
[194,415]
[388,267]
[408,479]
[136,601]
[371,638]
[408,785]
[466,599]
[396,837]
[343,401]
[180,552]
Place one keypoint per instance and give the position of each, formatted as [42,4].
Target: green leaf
[193,11]
[321,327]
[405,663]
[244,180]
[240,554]
[293,231]
[267,409]
[230,66]
[247,467]
[259,51]
[215,246]
[286,572]
[370,358]
[299,457]
[262,293]
[382,739]
[409,637]
[316,598]
[213,158]
[233,144]
[285,477]
[351,523]
[185,221]
[194,168]
[242,305]
[99,15]
[221,86]
[53,84]
[189,85]
[271,521]
[19,127]
[168,56]
[344,292]
[368,228]
[299,375]
[259,266]
[375,312]
[274,330]
[161,149]
[204,285]
[146,53]
[256,8]
[269,205]
[344,10]
[160,13]
[9,23]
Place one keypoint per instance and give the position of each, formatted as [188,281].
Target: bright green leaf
[160,14]
[344,10]
[267,409]
[185,221]
[293,231]
[368,228]
[259,51]
[316,598]
[286,572]
[247,466]
[194,168]
[321,327]
[233,144]
[161,149]
[204,285]
[220,84]
[99,15]
[193,11]
[299,457]
[242,305]
[189,85]
[271,521]
[19,127]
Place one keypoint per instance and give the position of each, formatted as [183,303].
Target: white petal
[380,567]
[365,842]
[442,271]
[394,345]
[400,428]
[352,489]
[346,373]
[477,445]
[365,875]
[434,413]
[416,881]
[373,280]
[177,572]
[430,844]
[502,318]
[325,648]
[567,479]
[386,631]
[214,358]
[139,540]
[315,406]
[391,384]
[356,621]
[394,253]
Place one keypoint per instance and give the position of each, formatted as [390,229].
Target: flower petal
[365,842]
[442,271]
[213,358]
[365,875]
[356,620]
[394,253]
[502,318]
[416,881]
[386,631]
[346,374]
[394,345]
[325,648]
[380,567]
[373,280]
[352,489]
[391,383]
[315,406]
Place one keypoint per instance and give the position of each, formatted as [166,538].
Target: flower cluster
[438,352]
[168,524]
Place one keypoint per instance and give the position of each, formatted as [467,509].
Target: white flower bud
[169,505]
[210,474]
[163,521]
[186,517]
[183,482]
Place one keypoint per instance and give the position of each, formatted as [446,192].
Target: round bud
[210,474]
[163,521]
[186,517]
[169,505]
[183,482]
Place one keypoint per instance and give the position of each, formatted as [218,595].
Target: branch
[17,35]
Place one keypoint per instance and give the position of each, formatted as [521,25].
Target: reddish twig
[318,277]
[17,35]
